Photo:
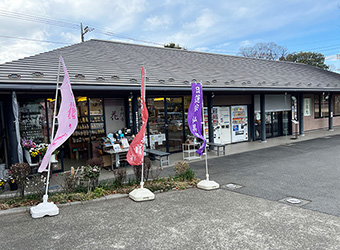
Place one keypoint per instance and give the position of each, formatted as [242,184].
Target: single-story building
[245,99]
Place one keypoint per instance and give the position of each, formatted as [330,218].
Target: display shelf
[189,151]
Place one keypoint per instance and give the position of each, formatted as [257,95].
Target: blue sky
[211,26]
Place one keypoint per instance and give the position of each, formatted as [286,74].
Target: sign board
[307,106]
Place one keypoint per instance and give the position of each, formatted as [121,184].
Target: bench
[218,145]
[159,154]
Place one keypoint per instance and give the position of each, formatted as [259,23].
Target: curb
[18,210]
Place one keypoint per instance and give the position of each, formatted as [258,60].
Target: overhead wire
[66,24]
[29,39]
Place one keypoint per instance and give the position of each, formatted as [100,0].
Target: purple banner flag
[195,114]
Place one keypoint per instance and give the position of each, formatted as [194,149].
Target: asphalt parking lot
[308,170]
[250,217]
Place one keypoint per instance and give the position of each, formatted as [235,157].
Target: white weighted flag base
[141,194]
[208,185]
[43,209]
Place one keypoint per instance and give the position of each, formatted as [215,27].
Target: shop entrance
[165,126]
[277,124]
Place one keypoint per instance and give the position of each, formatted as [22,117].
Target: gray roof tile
[97,58]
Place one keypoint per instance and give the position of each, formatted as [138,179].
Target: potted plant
[38,152]
[2,184]
[12,184]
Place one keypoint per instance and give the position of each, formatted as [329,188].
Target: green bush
[183,171]
[181,167]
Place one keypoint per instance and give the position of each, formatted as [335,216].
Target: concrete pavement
[191,219]
[308,170]
[251,217]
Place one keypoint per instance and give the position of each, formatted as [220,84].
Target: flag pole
[142,175]
[52,134]
[142,194]
[205,150]
[206,184]
[48,208]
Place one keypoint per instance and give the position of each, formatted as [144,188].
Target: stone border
[17,210]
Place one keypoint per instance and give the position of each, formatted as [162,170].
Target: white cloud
[331,58]
[245,43]
[219,25]
[157,22]
[203,22]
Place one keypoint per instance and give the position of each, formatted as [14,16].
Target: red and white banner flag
[67,119]
[136,149]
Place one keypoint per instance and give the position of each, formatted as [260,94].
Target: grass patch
[103,189]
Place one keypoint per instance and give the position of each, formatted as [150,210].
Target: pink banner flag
[136,150]
[67,119]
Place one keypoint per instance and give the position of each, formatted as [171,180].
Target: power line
[35,40]
[38,19]
[55,22]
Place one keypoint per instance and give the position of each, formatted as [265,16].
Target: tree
[310,58]
[173,46]
[268,51]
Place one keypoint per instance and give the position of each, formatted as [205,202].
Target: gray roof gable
[119,64]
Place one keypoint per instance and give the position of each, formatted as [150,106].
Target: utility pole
[83,32]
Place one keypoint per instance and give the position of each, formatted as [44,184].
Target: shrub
[181,167]
[71,180]
[120,175]
[147,170]
[20,172]
[36,184]
[189,174]
[183,171]
[91,175]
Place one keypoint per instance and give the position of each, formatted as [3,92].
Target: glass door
[175,122]
[165,124]
[275,127]
[269,125]
[157,124]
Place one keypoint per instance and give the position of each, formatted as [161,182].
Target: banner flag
[195,114]
[67,119]
[135,155]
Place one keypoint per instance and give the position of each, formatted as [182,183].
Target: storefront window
[97,128]
[317,106]
[157,128]
[32,120]
[79,141]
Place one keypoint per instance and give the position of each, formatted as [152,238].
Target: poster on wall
[114,115]
[307,106]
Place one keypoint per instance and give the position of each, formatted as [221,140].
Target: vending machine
[239,123]
[224,123]
[221,123]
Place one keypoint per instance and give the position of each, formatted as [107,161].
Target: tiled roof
[103,63]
